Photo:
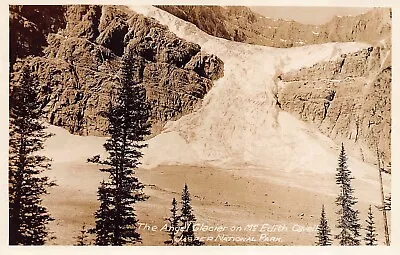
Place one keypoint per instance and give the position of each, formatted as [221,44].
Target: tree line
[348,222]
[179,226]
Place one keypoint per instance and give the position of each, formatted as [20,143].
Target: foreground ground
[231,199]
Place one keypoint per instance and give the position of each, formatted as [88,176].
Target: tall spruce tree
[173,223]
[116,221]
[323,232]
[28,218]
[370,236]
[187,219]
[348,222]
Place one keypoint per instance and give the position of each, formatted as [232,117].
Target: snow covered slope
[65,147]
[239,123]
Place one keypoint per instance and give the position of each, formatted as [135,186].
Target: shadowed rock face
[240,24]
[347,99]
[29,27]
[78,69]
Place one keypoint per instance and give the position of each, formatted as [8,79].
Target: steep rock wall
[348,99]
[78,68]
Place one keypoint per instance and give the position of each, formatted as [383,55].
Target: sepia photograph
[199,125]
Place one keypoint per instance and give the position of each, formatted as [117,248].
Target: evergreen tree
[104,216]
[116,221]
[187,219]
[324,232]
[173,223]
[81,239]
[370,236]
[348,221]
[27,183]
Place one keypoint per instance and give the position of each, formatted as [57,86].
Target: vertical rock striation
[348,99]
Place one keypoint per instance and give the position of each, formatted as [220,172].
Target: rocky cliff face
[242,25]
[76,50]
[348,99]
[29,27]
[78,68]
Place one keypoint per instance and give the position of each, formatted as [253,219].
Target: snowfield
[239,126]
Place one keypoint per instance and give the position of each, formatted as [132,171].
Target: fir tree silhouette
[116,219]
[348,222]
[324,232]
[370,236]
[81,239]
[173,223]
[187,219]
[28,218]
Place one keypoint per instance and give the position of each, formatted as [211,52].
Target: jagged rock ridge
[241,24]
[77,70]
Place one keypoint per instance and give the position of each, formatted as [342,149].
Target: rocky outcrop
[206,65]
[29,27]
[243,25]
[348,99]
[79,68]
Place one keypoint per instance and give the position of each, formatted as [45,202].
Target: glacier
[239,123]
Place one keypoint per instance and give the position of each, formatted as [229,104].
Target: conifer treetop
[370,235]
[323,231]
[348,221]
